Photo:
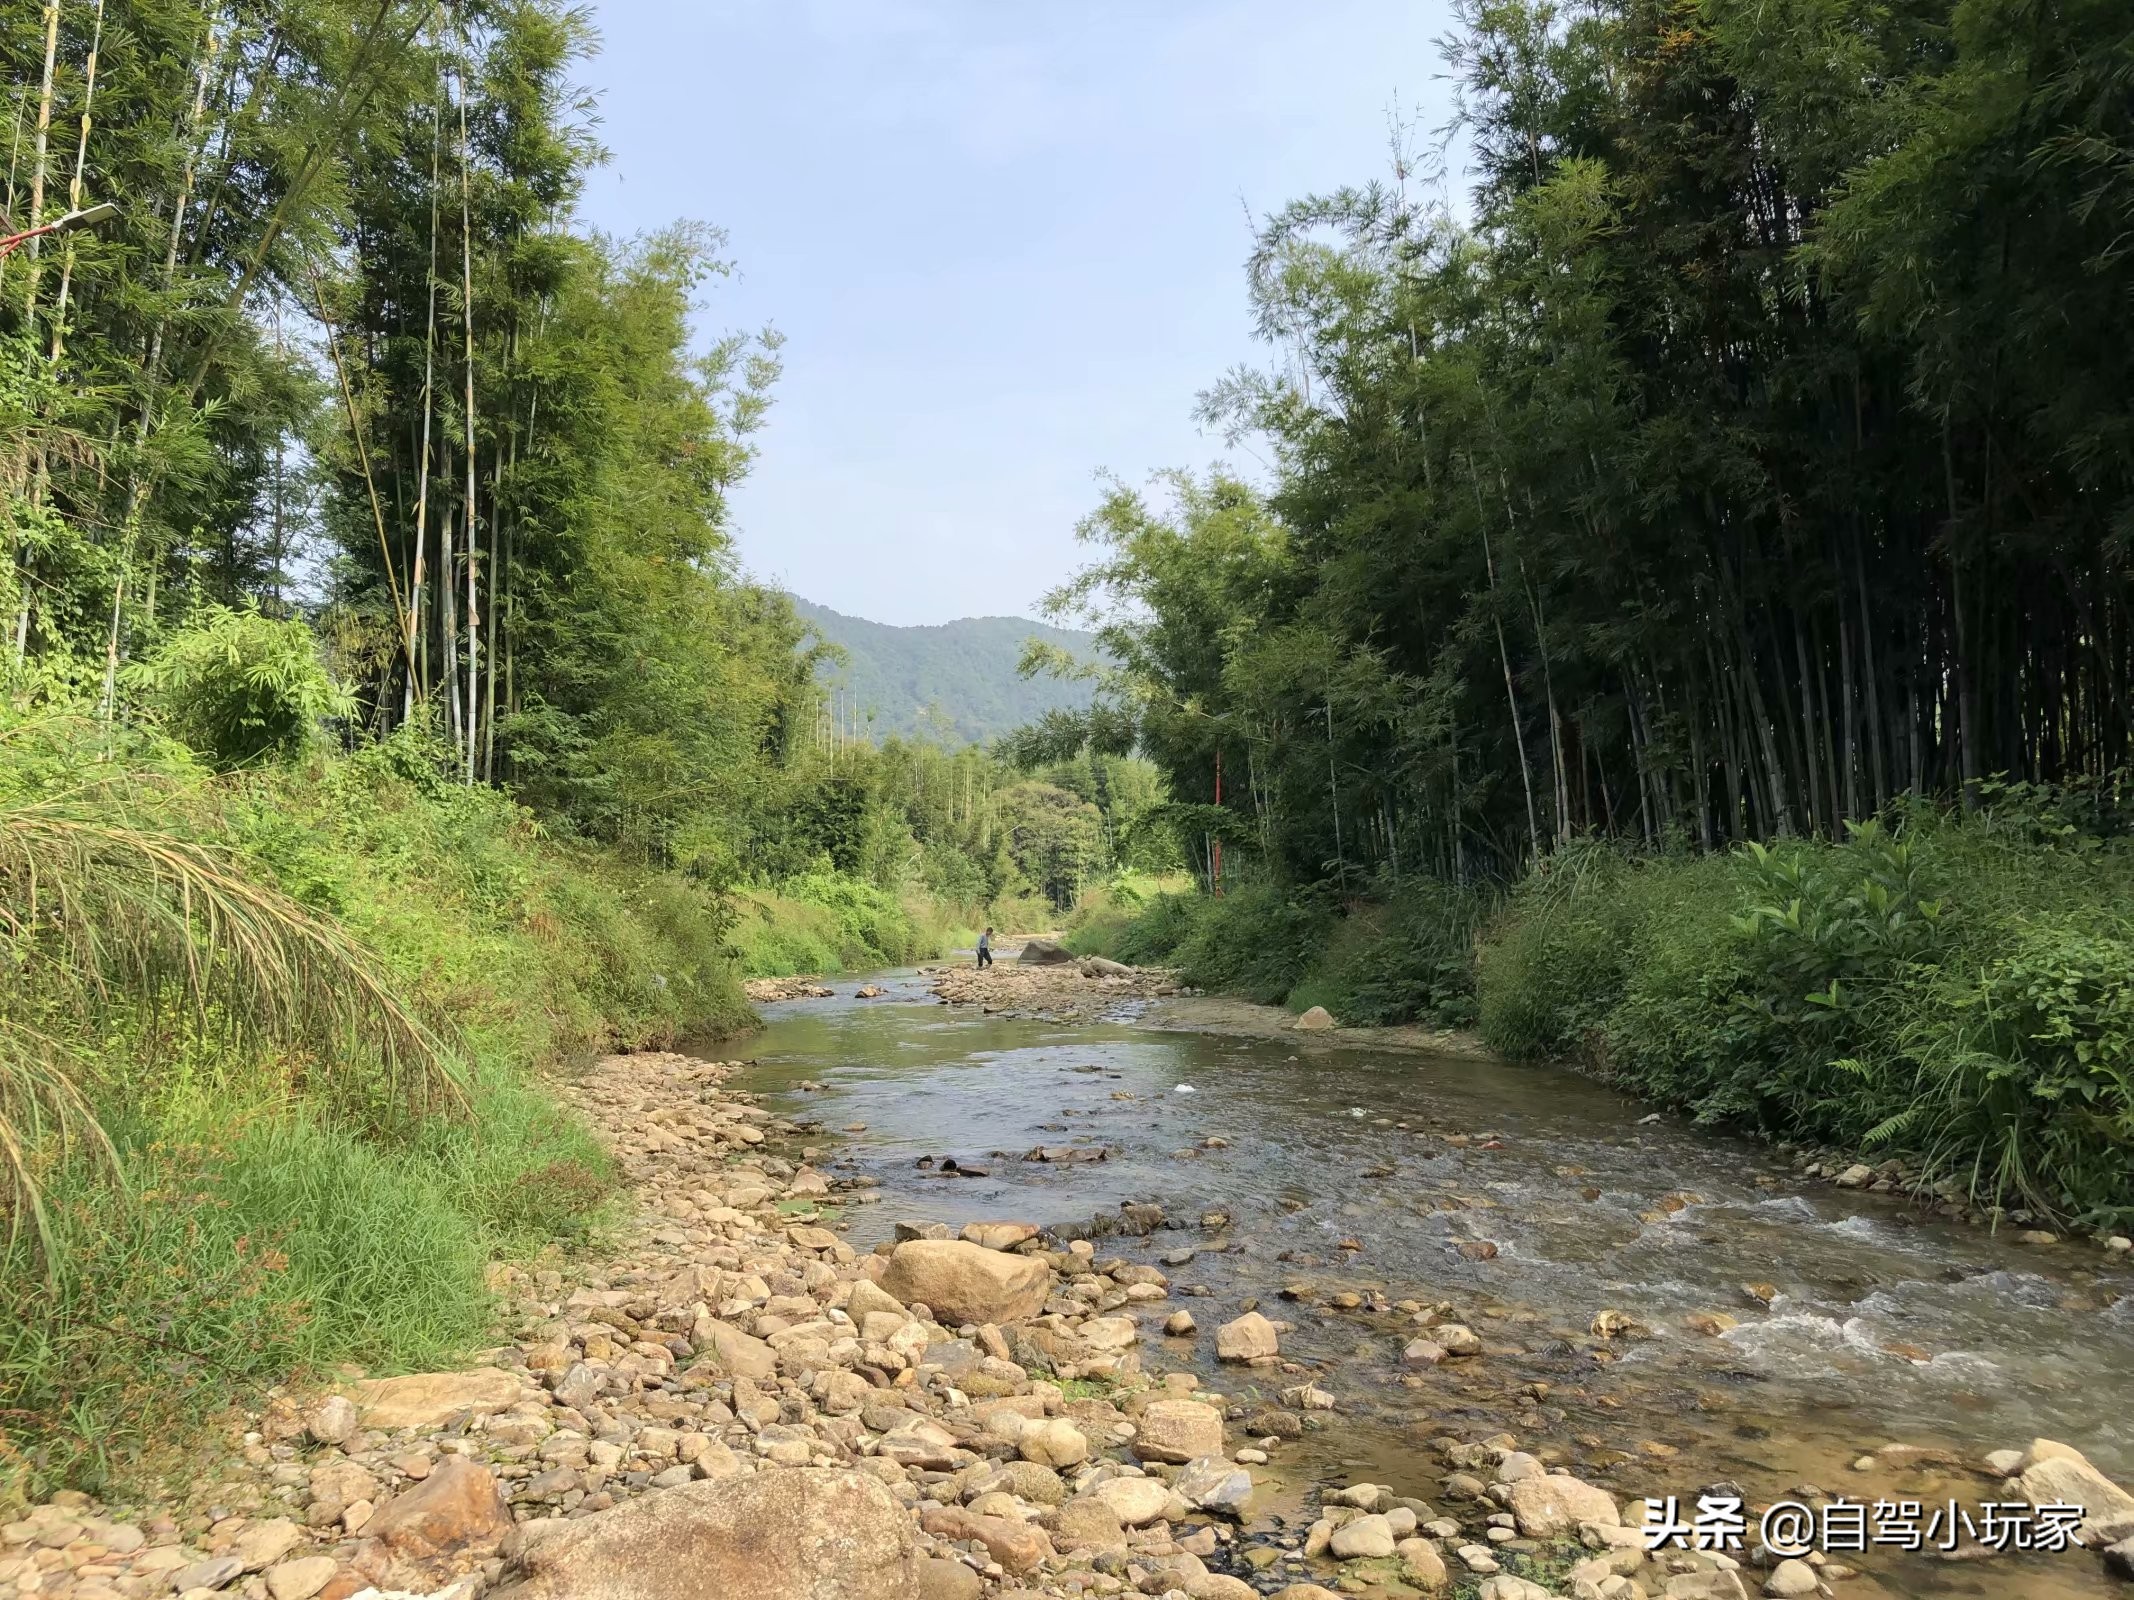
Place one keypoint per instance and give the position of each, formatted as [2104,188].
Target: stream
[1352,1172]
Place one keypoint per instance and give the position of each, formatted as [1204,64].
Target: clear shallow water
[1347,1169]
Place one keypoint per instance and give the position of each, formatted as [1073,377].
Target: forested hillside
[1749,466]
[956,681]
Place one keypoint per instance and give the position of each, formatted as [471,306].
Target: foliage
[240,688]
[1055,838]
[1947,989]
[1737,463]
[116,912]
[261,1208]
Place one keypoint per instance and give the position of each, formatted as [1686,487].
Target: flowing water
[1350,1169]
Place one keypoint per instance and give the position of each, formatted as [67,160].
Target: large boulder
[2054,1473]
[1555,1503]
[1045,953]
[1248,1338]
[798,1534]
[429,1399]
[1178,1431]
[966,1283]
[1316,1020]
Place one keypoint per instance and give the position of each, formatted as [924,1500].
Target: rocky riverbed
[738,1400]
[1067,991]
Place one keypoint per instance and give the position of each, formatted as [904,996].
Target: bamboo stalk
[74,188]
[466,266]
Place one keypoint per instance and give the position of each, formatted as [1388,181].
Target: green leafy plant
[240,688]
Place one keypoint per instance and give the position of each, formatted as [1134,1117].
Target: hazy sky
[1004,242]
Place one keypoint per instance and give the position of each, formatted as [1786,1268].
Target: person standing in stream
[985,949]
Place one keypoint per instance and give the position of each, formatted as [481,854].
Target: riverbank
[1013,1413]
[1946,996]
[282,1109]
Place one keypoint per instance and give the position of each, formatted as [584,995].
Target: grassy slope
[255,1232]
[826,923]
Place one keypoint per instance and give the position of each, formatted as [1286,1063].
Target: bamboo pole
[74,187]
[466,267]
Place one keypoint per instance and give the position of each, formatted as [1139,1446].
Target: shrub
[241,688]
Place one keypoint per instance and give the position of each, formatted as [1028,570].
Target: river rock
[1421,1564]
[1054,1444]
[805,1533]
[999,1235]
[962,1282]
[457,1507]
[1043,953]
[1857,1176]
[430,1399]
[302,1578]
[2054,1472]
[1317,1020]
[331,1419]
[1365,1539]
[2119,1559]
[740,1355]
[215,1574]
[1017,1545]
[1088,1523]
[1305,1591]
[1457,1338]
[1791,1577]
[265,1543]
[941,1579]
[1214,1485]
[1026,1480]
[1249,1338]
[1134,1501]
[1178,1431]
[1556,1503]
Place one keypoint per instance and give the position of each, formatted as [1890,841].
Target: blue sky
[1004,242]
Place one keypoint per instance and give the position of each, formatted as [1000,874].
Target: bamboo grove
[1756,453]
[350,350]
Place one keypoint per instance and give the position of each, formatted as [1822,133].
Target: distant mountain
[953,680]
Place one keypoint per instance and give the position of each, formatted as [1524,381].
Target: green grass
[831,923]
[258,1217]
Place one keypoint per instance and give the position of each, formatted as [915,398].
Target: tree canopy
[1752,454]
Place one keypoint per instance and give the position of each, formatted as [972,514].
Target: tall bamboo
[74,186]
[466,268]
